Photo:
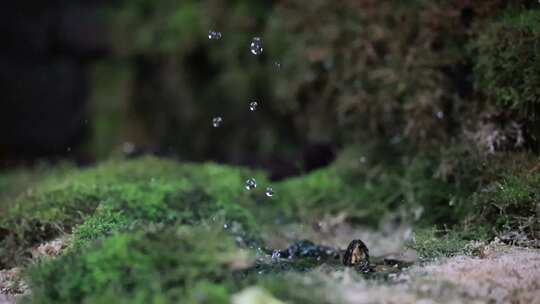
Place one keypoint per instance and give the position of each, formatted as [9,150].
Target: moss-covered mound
[121,195]
[161,231]
[162,265]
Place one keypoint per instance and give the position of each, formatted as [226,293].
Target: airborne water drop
[253,106]
[213,35]
[269,191]
[216,121]
[256,46]
[251,184]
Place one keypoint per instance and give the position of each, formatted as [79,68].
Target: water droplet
[217,121]
[256,46]
[318,258]
[68,149]
[269,191]
[213,35]
[276,255]
[363,159]
[440,114]
[225,226]
[277,65]
[253,106]
[251,184]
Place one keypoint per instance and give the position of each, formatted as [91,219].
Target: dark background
[85,80]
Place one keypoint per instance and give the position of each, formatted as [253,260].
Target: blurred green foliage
[508,66]
[360,71]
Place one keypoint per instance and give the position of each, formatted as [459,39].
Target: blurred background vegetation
[146,77]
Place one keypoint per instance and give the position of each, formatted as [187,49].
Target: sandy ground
[11,284]
[497,273]
[510,276]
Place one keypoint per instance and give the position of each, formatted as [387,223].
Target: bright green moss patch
[163,265]
[120,194]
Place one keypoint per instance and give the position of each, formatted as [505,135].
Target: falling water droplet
[213,35]
[440,114]
[256,46]
[251,184]
[216,121]
[253,106]
[225,226]
[269,191]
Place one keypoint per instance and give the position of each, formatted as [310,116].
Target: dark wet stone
[305,248]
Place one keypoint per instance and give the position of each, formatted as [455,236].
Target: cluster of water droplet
[256,48]
[251,184]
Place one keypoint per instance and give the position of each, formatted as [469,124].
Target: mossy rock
[119,195]
[161,265]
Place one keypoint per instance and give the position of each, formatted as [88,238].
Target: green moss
[431,243]
[508,65]
[164,265]
[300,288]
[120,194]
[366,188]
[14,182]
[510,203]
